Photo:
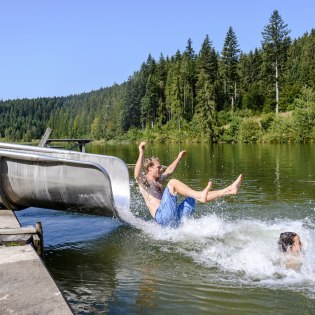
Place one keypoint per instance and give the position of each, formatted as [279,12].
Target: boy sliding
[163,205]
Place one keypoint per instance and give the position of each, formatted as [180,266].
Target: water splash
[243,250]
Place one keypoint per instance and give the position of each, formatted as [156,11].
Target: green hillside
[204,96]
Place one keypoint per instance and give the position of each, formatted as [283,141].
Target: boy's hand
[182,154]
[142,146]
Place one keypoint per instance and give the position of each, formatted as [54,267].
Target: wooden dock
[26,286]
[46,142]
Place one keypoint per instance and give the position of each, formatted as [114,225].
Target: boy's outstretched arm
[171,168]
[139,164]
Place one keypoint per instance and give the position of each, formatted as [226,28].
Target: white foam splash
[245,248]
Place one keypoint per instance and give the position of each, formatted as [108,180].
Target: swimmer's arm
[138,168]
[171,168]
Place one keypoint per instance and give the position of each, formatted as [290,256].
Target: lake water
[224,260]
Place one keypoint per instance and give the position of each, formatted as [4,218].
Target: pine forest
[265,95]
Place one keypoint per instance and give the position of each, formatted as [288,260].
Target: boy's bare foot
[204,193]
[233,189]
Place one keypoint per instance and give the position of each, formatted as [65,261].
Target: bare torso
[152,191]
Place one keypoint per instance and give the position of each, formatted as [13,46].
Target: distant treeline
[265,95]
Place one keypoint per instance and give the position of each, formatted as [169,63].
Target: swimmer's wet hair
[149,162]
[286,240]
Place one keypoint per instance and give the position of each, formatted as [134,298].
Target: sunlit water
[223,260]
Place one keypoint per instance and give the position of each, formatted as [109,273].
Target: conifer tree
[208,60]
[275,44]
[173,93]
[135,90]
[250,89]
[161,76]
[230,58]
[205,115]
[149,102]
[188,79]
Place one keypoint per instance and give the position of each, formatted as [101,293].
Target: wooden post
[36,244]
[80,146]
[45,137]
[39,230]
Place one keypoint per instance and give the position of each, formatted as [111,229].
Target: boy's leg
[166,214]
[230,190]
[177,187]
[186,208]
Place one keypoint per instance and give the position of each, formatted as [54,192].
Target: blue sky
[63,47]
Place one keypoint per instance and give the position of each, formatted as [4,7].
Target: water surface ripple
[223,260]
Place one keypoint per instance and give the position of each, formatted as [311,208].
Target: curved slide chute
[63,180]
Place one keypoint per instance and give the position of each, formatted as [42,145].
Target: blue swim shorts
[169,213]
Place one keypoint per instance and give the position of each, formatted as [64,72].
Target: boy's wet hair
[149,162]
[286,240]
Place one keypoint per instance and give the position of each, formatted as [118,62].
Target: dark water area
[224,260]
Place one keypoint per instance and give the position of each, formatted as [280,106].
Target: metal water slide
[63,180]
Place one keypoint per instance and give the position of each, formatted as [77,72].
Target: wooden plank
[18,231]
[79,143]
[39,230]
[14,240]
[69,140]
[45,137]
[37,245]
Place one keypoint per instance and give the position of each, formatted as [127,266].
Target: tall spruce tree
[205,116]
[208,60]
[188,78]
[173,93]
[275,45]
[161,73]
[250,89]
[131,111]
[230,58]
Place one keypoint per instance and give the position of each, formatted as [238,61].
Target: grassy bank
[296,126]
[291,127]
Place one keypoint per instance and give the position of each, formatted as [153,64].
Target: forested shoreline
[266,95]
